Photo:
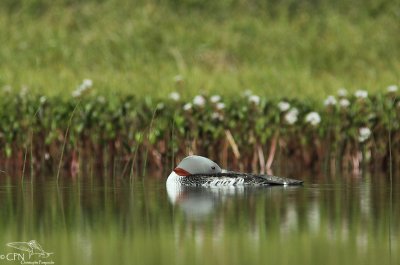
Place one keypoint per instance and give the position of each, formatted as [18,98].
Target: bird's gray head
[196,165]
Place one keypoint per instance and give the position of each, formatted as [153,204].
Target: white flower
[87,83]
[291,116]
[313,118]
[83,87]
[392,89]
[42,99]
[217,116]
[220,105]
[254,99]
[364,134]
[187,106]
[178,78]
[215,98]
[77,93]
[344,102]
[342,92]
[174,96]
[46,156]
[160,106]
[330,101]
[361,94]
[283,106]
[199,100]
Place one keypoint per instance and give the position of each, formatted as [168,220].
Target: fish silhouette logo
[32,247]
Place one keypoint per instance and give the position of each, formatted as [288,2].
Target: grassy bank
[298,48]
[249,132]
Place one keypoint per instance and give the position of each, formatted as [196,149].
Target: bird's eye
[213,168]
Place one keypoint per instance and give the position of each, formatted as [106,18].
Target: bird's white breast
[174,187]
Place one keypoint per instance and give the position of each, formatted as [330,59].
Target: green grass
[290,48]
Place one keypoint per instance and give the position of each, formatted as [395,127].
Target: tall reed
[65,140]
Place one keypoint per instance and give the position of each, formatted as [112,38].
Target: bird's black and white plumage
[201,171]
[234,179]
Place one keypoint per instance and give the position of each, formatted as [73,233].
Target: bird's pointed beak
[181,172]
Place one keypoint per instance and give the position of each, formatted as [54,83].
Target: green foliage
[167,125]
[301,48]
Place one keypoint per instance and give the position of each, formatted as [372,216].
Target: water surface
[100,220]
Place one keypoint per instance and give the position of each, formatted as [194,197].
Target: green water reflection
[106,221]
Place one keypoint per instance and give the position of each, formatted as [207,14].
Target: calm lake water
[99,220]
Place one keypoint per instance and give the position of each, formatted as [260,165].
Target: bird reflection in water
[208,211]
[197,203]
